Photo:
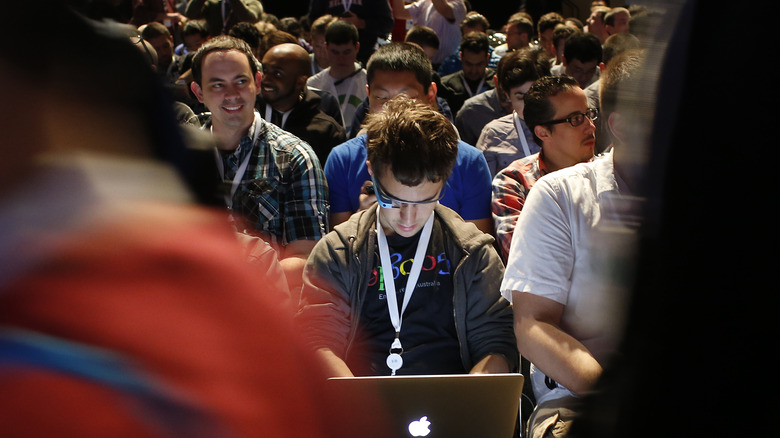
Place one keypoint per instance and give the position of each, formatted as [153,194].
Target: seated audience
[403,68]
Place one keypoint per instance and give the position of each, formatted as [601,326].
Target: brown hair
[412,140]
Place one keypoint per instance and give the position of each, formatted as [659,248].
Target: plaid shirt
[510,188]
[283,192]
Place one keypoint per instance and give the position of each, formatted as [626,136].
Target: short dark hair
[195,27]
[155,29]
[400,57]
[221,43]
[341,32]
[422,36]
[473,19]
[291,25]
[538,109]
[549,21]
[274,38]
[247,32]
[411,140]
[562,32]
[582,46]
[475,42]
[523,23]
[521,66]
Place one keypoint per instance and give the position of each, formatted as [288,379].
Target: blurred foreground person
[126,310]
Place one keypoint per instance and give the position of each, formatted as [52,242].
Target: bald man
[286,101]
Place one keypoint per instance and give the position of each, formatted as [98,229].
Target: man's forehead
[220,58]
[399,81]
[579,65]
[568,102]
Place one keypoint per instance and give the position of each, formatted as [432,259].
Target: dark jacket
[455,91]
[336,281]
[310,124]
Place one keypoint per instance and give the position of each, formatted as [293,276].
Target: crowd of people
[262,198]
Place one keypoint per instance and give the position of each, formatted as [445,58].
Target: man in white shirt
[345,78]
[577,227]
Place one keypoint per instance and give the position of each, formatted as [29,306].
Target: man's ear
[301,83]
[196,91]
[432,91]
[542,132]
[368,165]
[258,79]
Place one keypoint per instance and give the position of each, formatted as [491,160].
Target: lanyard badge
[394,359]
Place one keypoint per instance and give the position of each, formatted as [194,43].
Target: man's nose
[408,213]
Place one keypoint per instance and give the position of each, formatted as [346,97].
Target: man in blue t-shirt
[403,68]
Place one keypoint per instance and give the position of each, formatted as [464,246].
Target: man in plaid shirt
[275,180]
[556,111]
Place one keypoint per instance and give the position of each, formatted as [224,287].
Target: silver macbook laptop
[452,406]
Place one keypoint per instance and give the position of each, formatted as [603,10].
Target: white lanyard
[468,89]
[269,115]
[346,4]
[241,169]
[521,134]
[394,361]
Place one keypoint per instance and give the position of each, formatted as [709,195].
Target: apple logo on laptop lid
[420,427]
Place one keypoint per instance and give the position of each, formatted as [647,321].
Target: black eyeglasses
[386,201]
[576,119]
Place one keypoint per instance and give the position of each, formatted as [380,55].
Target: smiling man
[407,249]
[276,186]
[287,102]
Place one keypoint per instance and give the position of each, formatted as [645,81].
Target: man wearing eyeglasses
[407,286]
[571,256]
[555,109]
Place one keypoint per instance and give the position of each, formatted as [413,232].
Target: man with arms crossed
[407,260]
[275,179]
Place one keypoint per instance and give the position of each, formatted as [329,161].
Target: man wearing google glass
[407,286]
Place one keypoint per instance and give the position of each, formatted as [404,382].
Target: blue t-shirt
[467,192]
